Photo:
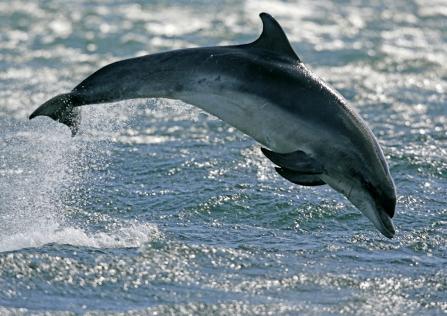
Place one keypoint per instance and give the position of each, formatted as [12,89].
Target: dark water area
[158,208]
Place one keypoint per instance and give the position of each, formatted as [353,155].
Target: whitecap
[130,235]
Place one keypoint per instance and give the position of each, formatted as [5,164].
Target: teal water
[158,208]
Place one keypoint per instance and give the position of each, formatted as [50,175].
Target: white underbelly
[267,123]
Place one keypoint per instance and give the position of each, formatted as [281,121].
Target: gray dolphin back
[128,75]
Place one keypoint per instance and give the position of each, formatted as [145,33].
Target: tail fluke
[61,108]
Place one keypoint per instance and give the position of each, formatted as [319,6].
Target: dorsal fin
[273,38]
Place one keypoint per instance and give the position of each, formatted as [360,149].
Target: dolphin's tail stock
[61,108]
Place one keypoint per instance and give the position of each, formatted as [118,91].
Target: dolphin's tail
[61,108]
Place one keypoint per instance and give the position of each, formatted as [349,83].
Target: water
[157,207]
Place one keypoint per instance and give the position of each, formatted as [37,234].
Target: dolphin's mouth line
[387,224]
[381,220]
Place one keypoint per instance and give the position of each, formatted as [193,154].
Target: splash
[42,173]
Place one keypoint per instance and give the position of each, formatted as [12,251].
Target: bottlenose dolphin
[264,90]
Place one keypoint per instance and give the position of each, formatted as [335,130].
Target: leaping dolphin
[264,90]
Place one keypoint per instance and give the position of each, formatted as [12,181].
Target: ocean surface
[158,208]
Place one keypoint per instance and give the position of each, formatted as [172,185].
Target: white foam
[128,236]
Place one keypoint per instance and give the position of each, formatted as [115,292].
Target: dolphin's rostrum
[265,91]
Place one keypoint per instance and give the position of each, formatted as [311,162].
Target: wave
[128,236]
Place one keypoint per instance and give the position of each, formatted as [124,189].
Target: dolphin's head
[363,176]
[368,185]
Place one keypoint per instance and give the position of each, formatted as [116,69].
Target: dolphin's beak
[385,224]
[375,213]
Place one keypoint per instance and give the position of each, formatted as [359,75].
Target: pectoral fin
[300,178]
[297,161]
